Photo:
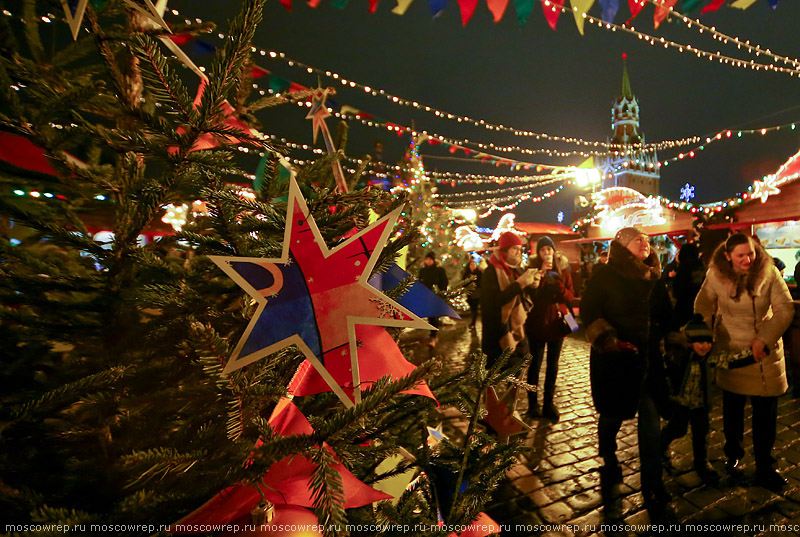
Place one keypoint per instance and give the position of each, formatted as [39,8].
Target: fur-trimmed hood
[624,262]
[559,260]
[721,268]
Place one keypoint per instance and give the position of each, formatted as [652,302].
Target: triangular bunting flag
[467,8]
[579,9]
[401,7]
[608,9]
[689,5]
[436,6]
[662,11]
[743,4]
[552,10]
[373,6]
[497,7]
[773,3]
[524,8]
[713,6]
[636,7]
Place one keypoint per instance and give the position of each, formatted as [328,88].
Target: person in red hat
[503,312]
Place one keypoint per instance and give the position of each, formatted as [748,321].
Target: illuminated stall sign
[620,207]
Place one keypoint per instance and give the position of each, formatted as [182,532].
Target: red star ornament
[314,296]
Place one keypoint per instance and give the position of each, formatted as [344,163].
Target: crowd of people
[655,351]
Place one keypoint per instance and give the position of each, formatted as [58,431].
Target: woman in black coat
[626,310]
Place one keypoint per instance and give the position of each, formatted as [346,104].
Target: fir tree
[114,409]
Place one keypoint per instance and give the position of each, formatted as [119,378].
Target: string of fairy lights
[683,47]
[757,50]
[724,38]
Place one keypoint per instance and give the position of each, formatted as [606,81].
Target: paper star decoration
[318,113]
[766,188]
[313,296]
[435,435]
[74,17]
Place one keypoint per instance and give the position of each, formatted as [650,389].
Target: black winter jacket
[626,300]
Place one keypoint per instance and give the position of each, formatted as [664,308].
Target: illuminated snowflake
[687,192]
[560,216]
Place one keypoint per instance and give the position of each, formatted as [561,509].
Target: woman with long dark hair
[749,306]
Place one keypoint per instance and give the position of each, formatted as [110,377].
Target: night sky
[533,78]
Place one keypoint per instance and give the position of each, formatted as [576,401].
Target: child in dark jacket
[688,378]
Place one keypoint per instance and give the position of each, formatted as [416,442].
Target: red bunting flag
[257,72]
[498,7]
[662,11]
[287,4]
[180,39]
[636,7]
[713,6]
[373,6]
[552,9]
[467,8]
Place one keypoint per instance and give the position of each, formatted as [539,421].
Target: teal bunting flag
[340,4]
[689,5]
[278,84]
[524,8]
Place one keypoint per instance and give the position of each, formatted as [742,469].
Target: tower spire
[626,83]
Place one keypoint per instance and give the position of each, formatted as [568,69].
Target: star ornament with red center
[319,112]
[314,297]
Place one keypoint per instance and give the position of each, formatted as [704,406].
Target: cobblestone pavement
[554,488]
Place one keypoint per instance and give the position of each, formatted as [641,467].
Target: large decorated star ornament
[314,296]
[766,188]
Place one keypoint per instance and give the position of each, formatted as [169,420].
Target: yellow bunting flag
[402,6]
[743,4]
[588,163]
[579,9]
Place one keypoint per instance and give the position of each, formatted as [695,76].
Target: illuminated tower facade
[627,163]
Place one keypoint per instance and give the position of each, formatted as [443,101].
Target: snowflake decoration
[687,192]
[560,216]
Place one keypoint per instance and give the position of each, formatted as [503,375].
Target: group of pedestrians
[652,353]
[733,315]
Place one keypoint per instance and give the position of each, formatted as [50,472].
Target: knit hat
[544,241]
[431,254]
[697,330]
[509,239]
[625,235]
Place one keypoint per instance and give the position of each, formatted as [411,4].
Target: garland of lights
[503,199]
[752,49]
[495,192]
[666,43]
[645,147]
[727,134]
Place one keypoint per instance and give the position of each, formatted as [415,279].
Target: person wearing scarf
[503,310]
[748,305]
[626,310]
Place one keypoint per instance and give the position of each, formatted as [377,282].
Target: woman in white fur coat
[748,304]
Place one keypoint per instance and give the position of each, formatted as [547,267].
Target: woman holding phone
[751,308]
[543,327]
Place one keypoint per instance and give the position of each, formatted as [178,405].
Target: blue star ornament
[313,297]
